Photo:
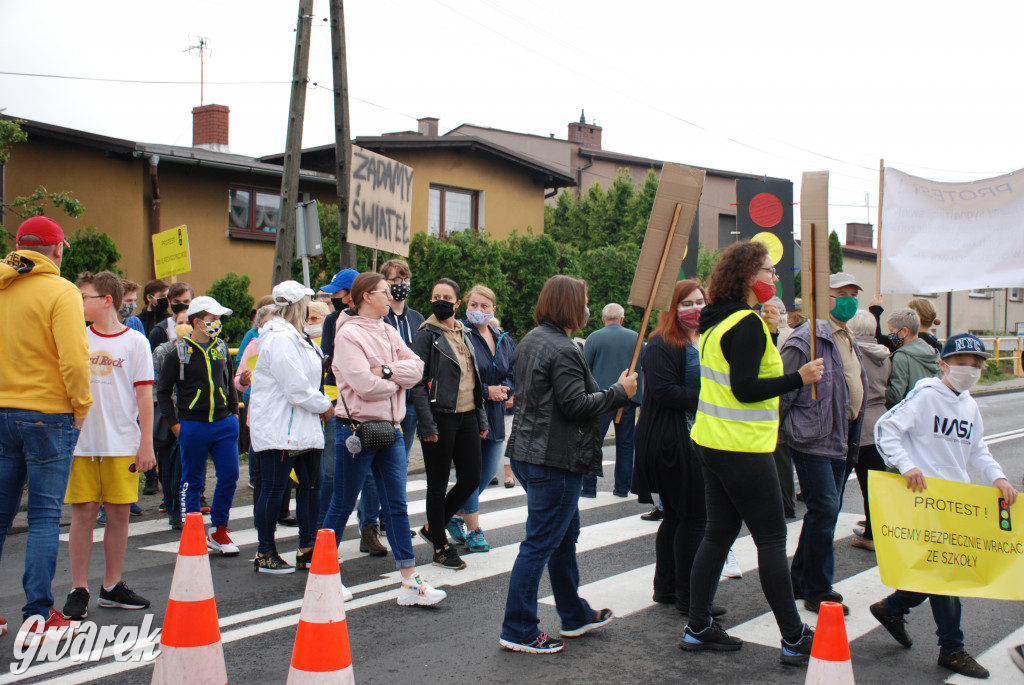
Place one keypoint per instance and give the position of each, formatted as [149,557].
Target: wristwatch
[385,371]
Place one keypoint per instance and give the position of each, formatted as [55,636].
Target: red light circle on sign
[765,210]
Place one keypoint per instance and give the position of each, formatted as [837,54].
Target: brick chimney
[588,135]
[210,127]
[428,126]
[859,235]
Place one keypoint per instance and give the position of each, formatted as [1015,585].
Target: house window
[1016,294]
[979,292]
[926,294]
[253,213]
[452,209]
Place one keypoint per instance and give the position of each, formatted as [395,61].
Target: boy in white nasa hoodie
[934,432]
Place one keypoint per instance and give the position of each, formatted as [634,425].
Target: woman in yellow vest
[735,434]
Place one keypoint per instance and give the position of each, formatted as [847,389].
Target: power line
[145,82]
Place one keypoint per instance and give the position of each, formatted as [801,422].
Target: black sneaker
[425,536]
[963,663]
[77,606]
[813,602]
[151,487]
[798,653]
[1017,654]
[712,638]
[304,560]
[271,563]
[449,558]
[121,597]
[600,618]
[894,623]
[174,523]
[542,645]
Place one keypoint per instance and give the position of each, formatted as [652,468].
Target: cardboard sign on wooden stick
[668,231]
[814,263]
[681,185]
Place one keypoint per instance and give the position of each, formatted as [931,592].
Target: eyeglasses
[373,292]
[769,269]
[691,303]
[93,297]
[399,281]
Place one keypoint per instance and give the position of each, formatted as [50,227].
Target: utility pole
[342,134]
[284,250]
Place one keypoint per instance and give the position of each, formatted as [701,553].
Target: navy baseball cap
[965,343]
[341,281]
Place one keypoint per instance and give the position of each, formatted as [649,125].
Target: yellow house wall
[511,199]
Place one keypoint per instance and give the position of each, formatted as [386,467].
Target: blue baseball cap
[965,343]
[341,281]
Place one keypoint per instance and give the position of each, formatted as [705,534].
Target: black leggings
[868,460]
[458,442]
[743,487]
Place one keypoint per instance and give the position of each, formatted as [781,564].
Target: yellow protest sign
[250,362]
[951,539]
[170,253]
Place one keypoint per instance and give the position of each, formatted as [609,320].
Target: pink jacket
[360,344]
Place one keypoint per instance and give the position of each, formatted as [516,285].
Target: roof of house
[127,149]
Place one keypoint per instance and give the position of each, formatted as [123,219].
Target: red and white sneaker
[56,628]
[219,540]
[3,627]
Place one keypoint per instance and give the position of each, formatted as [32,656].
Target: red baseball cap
[40,230]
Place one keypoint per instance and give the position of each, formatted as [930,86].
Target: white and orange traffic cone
[830,654]
[322,653]
[190,645]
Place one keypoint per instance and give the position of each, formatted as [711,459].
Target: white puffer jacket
[286,401]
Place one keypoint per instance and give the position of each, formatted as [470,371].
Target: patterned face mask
[126,310]
[399,291]
[212,328]
[896,340]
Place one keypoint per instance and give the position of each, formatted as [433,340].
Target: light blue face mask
[478,318]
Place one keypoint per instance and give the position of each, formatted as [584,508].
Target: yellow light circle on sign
[772,242]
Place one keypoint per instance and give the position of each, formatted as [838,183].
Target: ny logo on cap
[968,344]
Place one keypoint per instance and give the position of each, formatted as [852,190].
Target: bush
[232,291]
[92,251]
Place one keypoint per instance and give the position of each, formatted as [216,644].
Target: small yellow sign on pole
[170,253]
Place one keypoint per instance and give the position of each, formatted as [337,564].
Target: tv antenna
[203,47]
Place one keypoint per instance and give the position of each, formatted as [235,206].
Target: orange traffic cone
[830,654]
[190,646]
[321,653]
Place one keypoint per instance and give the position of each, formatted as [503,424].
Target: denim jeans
[945,611]
[275,470]
[822,481]
[552,528]
[327,470]
[368,509]
[38,447]
[409,427]
[219,440]
[623,452]
[743,487]
[490,456]
[390,469]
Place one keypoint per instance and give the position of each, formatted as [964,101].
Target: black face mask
[179,308]
[399,292]
[161,305]
[442,309]
[338,304]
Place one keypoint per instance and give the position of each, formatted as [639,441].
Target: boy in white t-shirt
[116,444]
[910,439]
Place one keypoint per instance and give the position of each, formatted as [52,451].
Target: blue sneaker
[102,518]
[798,653]
[713,638]
[457,529]
[135,509]
[476,542]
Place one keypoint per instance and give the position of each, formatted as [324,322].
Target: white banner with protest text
[937,236]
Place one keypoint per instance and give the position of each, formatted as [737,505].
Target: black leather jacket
[438,390]
[558,403]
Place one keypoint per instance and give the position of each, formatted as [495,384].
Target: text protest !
[946,540]
[380,202]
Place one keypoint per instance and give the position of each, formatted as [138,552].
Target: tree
[91,251]
[601,217]
[232,291]
[835,253]
[609,273]
[705,263]
[528,261]
[25,206]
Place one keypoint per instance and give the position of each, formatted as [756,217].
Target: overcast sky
[774,88]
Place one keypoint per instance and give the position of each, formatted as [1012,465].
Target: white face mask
[962,377]
[314,331]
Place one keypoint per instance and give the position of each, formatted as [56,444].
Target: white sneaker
[346,594]
[732,567]
[219,540]
[415,591]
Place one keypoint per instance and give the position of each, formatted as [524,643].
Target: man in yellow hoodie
[44,399]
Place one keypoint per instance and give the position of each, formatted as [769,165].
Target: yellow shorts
[106,479]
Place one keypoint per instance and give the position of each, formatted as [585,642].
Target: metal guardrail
[1005,348]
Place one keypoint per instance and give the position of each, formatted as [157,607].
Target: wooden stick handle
[813,323]
[878,254]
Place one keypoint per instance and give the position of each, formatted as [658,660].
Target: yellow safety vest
[723,422]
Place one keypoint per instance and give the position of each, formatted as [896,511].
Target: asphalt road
[457,641]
